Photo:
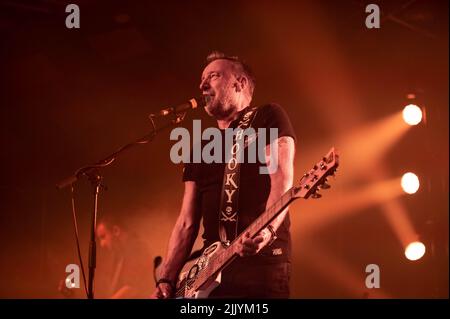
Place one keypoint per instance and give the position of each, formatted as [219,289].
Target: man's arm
[281,180]
[181,240]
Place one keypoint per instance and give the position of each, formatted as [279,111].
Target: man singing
[263,268]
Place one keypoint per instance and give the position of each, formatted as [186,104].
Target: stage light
[415,250]
[412,114]
[410,183]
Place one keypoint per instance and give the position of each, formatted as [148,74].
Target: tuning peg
[316,195]
[325,185]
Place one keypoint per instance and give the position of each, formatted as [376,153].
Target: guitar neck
[221,260]
[268,216]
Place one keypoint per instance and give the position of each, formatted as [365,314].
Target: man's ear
[241,83]
[116,231]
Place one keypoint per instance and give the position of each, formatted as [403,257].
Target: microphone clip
[180,109]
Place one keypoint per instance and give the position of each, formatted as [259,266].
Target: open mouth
[208,98]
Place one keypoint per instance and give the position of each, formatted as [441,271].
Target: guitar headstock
[316,178]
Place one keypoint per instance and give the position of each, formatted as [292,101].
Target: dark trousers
[253,280]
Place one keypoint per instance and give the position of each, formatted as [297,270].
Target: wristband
[273,235]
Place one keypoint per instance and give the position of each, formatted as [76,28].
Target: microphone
[191,104]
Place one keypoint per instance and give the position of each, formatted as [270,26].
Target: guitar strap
[228,217]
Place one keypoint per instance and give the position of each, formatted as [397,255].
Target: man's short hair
[110,220]
[241,65]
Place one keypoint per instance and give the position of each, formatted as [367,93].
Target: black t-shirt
[253,191]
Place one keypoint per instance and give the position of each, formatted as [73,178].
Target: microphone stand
[95,178]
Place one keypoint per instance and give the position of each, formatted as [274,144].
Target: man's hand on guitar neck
[251,246]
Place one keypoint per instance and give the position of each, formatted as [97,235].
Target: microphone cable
[75,224]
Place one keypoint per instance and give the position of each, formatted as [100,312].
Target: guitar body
[192,270]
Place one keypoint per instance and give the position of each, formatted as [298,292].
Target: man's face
[219,86]
[106,237]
